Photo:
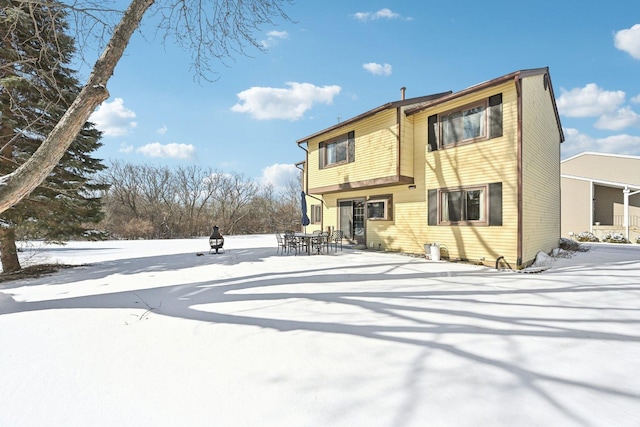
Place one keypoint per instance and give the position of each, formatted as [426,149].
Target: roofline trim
[594,153]
[387,106]
[601,181]
[481,86]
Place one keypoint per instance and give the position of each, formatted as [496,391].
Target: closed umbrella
[305,218]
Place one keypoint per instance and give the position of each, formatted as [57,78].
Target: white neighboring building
[600,193]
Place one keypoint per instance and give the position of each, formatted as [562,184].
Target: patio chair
[282,246]
[303,244]
[291,242]
[320,241]
[335,239]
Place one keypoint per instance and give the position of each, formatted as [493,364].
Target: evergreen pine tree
[36,87]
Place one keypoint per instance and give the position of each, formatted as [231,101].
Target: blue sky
[341,58]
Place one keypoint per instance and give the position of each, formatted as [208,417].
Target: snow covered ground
[146,333]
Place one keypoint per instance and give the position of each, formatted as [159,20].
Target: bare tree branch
[210,29]
[19,184]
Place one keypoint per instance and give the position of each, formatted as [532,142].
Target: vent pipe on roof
[402,92]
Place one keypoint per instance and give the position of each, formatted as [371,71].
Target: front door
[351,217]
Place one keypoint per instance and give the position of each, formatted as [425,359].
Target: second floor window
[463,125]
[475,122]
[338,150]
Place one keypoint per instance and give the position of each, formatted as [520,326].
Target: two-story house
[476,172]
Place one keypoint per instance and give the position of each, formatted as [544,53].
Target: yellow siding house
[476,172]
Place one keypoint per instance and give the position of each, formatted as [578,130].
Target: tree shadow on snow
[409,314]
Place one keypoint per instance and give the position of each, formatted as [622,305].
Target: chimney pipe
[402,92]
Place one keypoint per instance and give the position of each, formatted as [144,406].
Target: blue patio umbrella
[305,218]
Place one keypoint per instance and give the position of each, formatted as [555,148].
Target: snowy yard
[146,333]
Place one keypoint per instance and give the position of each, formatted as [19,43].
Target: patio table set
[316,243]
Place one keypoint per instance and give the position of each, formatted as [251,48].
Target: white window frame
[385,200]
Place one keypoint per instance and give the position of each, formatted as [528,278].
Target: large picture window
[465,125]
[463,205]
[338,150]
[474,122]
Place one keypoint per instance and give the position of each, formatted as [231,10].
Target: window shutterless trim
[316,214]
[387,200]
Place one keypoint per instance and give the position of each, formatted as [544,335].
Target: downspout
[398,142]
[398,137]
[305,171]
[305,175]
[519,148]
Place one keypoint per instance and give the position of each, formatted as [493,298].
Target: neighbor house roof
[593,153]
[604,168]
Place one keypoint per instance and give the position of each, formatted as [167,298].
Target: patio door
[352,220]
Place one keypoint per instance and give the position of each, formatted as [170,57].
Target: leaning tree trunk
[8,250]
[19,184]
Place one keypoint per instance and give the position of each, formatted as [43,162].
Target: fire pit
[216,240]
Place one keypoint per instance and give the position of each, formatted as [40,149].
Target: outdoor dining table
[308,239]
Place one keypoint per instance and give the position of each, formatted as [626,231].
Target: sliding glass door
[352,220]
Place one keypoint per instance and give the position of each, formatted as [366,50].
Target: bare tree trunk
[8,250]
[19,184]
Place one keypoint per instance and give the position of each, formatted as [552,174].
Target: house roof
[604,168]
[424,102]
[478,87]
[594,153]
[516,75]
[389,105]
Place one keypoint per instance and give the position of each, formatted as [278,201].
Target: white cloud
[576,143]
[273,37]
[589,101]
[266,103]
[636,99]
[622,118]
[173,150]
[378,69]
[113,118]
[372,16]
[628,40]
[125,148]
[279,175]
[162,130]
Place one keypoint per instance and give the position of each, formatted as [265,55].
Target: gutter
[305,175]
